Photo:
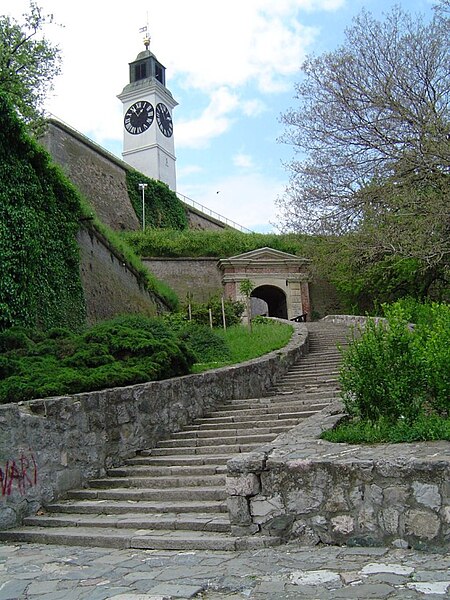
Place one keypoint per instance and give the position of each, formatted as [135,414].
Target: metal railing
[213,213]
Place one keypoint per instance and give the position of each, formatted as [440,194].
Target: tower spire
[146,31]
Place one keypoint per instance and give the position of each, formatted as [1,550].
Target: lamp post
[142,186]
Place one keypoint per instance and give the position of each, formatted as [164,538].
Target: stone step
[147,458]
[171,521]
[116,507]
[301,379]
[198,442]
[163,482]
[290,407]
[139,470]
[136,539]
[215,449]
[236,426]
[227,432]
[160,494]
[302,398]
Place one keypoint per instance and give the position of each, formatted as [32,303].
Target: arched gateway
[279,279]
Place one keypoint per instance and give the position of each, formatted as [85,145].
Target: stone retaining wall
[312,491]
[111,285]
[50,446]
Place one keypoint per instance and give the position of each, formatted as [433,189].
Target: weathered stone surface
[427,494]
[244,485]
[262,509]
[389,520]
[343,524]
[238,510]
[422,524]
[396,494]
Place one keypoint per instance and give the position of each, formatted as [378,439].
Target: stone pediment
[263,257]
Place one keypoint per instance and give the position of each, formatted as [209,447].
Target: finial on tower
[147,34]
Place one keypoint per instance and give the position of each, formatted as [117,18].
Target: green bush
[123,351]
[397,371]
[200,312]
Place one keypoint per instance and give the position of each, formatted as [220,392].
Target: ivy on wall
[163,209]
[40,283]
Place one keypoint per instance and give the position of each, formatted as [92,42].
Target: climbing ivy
[163,209]
[40,283]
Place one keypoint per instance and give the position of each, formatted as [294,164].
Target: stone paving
[39,572]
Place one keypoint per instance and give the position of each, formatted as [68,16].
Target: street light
[142,186]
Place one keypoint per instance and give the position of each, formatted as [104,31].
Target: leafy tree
[372,133]
[28,63]
[246,287]
[376,110]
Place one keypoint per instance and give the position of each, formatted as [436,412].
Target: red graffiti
[22,473]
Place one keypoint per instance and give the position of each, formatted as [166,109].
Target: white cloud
[243,161]
[216,119]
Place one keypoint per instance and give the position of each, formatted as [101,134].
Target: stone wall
[50,446]
[100,176]
[199,277]
[111,286]
[313,491]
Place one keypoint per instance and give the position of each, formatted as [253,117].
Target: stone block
[422,524]
[243,485]
[395,495]
[262,509]
[427,494]
[305,534]
[336,502]
[238,510]
[389,520]
[343,524]
[304,501]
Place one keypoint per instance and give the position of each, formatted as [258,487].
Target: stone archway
[280,279]
[275,298]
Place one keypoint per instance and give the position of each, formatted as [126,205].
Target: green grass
[424,429]
[245,345]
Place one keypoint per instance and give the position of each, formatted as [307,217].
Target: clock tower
[148,143]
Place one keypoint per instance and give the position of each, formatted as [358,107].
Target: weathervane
[147,36]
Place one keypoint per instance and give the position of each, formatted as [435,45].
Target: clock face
[164,119]
[139,117]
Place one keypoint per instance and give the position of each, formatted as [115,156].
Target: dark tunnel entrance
[275,299]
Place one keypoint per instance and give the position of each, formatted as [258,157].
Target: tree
[28,63]
[373,112]
[246,288]
[372,133]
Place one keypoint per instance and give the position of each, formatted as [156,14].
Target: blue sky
[232,68]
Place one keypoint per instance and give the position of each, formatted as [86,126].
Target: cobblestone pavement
[288,572]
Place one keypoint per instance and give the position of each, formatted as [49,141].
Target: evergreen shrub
[122,351]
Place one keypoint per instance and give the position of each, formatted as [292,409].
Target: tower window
[140,71]
[159,73]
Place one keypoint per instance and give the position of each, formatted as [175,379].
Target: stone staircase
[173,496]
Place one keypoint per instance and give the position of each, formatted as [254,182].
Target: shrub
[123,351]
[207,346]
[397,371]
[200,312]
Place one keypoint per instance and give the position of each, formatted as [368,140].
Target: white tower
[148,143]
